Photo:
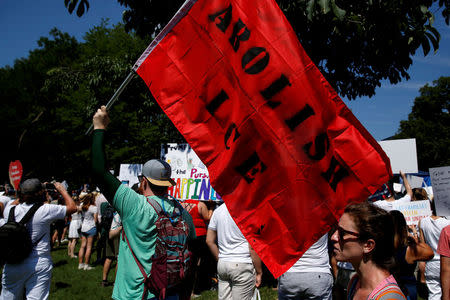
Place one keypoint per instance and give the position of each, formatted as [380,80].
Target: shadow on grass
[62,285]
[60,263]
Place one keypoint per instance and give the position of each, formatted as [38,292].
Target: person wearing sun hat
[137,214]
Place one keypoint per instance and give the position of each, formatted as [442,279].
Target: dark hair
[156,189]
[32,198]
[433,207]
[400,228]
[87,200]
[419,194]
[390,185]
[375,223]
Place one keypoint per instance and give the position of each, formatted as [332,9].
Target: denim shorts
[90,232]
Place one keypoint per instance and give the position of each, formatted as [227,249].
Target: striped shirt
[387,289]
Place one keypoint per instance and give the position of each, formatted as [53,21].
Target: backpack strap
[11,217]
[154,204]
[30,213]
[141,268]
[177,209]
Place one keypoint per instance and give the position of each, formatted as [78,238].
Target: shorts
[90,232]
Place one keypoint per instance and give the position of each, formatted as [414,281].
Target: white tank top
[431,231]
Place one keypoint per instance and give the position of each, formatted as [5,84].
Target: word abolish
[254,60]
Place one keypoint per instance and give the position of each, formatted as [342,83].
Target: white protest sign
[415,181]
[414,211]
[128,173]
[190,174]
[402,154]
[440,180]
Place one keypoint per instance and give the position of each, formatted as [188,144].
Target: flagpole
[116,95]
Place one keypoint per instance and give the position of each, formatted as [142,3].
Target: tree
[429,123]
[355,43]
[48,100]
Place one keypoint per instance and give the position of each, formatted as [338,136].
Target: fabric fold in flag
[282,149]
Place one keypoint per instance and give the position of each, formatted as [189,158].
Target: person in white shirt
[430,230]
[239,267]
[5,199]
[388,204]
[31,278]
[310,277]
[88,230]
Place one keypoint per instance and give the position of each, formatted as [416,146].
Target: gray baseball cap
[158,172]
[31,186]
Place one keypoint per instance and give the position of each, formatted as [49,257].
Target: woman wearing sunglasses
[365,238]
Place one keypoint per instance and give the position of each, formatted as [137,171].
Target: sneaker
[81,266]
[106,283]
[87,267]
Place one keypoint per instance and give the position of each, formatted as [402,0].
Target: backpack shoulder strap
[30,213]
[154,204]
[11,216]
[178,209]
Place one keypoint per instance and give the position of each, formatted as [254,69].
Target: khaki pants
[236,280]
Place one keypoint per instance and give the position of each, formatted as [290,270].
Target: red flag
[15,173]
[281,147]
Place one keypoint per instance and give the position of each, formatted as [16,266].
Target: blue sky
[23,22]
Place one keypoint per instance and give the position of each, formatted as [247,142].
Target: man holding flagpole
[143,267]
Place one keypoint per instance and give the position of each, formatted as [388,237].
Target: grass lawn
[70,283]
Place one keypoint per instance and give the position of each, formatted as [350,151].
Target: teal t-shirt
[138,221]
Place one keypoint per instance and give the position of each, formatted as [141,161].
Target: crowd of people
[170,249]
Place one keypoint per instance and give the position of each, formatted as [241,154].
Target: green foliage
[429,123]
[356,44]
[49,98]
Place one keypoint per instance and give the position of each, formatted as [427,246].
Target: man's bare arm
[211,237]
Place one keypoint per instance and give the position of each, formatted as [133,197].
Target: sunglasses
[342,232]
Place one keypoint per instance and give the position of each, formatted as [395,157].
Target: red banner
[15,173]
[281,147]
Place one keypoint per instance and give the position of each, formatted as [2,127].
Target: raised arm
[406,184]
[107,182]
[68,201]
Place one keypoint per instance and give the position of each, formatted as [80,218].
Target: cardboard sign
[128,173]
[281,147]
[440,180]
[414,211]
[402,154]
[15,173]
[190,174]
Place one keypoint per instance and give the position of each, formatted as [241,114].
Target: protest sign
[281,147]
[440,181]
[414,211]
[402,154]
[128,173]
[189,173]
[15,173]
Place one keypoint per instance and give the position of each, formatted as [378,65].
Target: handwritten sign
[414,211]
[190,174]
[440,180]
[128,173]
